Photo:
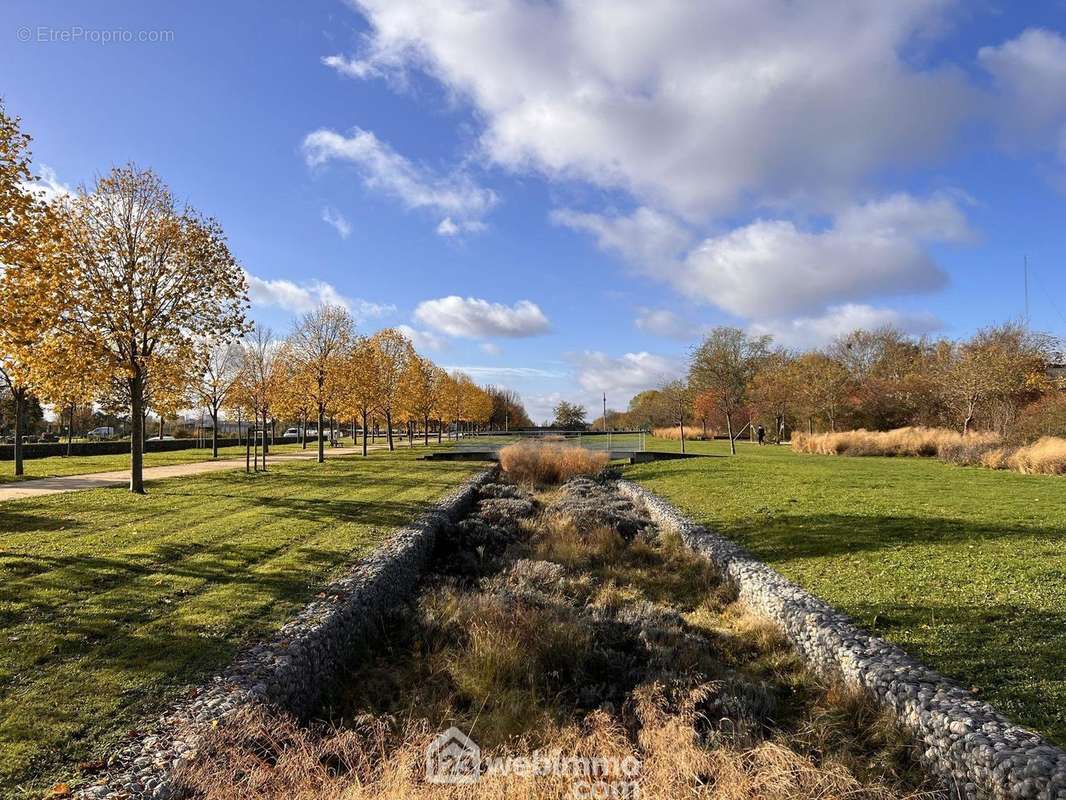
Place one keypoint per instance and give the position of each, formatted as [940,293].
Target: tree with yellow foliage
[422,383]
[318,345]
[219,370]
[360,391]
[30,250]
[74,381]
[146,276]
[392,354]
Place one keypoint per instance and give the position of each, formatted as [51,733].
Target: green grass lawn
[111,604]
[963,567]
[58,466]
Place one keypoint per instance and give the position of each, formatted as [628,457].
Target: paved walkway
[99,480]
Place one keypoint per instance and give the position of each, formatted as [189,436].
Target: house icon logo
[453,757]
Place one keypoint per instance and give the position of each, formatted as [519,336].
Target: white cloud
[810,332]
[350,67]
[422,339]
[665,323]
[691,107]
[474,318]
[770,269]
[645,237]
[1029,73]
[48,186]
[490,348]
[334,218]
[498,373]
[301,298]
[623,377]
[455,195]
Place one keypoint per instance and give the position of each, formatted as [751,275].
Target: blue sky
[594,181]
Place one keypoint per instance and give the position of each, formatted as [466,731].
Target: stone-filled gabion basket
[292,669]
[978,752]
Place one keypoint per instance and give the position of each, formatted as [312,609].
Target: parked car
[160,439]
[105,432]
[49,437]
[290,432]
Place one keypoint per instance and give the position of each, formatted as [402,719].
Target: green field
[963,567]
[111,603]
[58,466]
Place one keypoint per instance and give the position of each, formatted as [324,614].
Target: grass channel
[561,622]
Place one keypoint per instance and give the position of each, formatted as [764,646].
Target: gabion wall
[977,751]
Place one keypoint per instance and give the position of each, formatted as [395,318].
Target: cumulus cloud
[1030,72]
[336,220]
[624,376]
[809,332]
[691,107]
[304,297]
[455,196]
[423,339]
[769,269]
[473,318]
[47,186]
[502,373]
[645,237]
[665,323]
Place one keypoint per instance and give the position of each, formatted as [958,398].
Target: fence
[616,441]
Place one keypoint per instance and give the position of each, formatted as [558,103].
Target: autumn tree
[775,389]
[146,276]
[678,397]
[825,386]
[392,353]
[261,379]
[71,382]
[360,383]
[30,258]
[318,345]
[507,409]
[705,407]
[220,363]
[422,383]
[725,363]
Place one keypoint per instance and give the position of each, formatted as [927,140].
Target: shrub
[540,464]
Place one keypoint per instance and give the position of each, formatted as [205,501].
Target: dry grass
[912,441]
[270,757]
[674,433]
[1046,456]
[542,464]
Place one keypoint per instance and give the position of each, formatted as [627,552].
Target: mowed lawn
[963,567]
[111,604]
[61,466]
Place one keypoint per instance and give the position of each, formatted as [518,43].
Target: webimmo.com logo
[453,757]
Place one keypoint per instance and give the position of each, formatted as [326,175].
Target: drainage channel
[561,644]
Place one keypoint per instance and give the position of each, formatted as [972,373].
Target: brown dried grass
[541,463]
[259,753]
[1045,456]
[674,433]
[910,441]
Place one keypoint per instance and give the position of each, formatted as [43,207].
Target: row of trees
[121,297]
[997,380]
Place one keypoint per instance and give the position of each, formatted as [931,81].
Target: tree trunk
[303,430]
[265,423]
[247,449]
[214,433]
[255,441]
[410,434]
[440,430]
[365,432]
[321,443]
[388,430]
[136,385]
[70,429]
[238,428]
[20,410]
[729,430]
[160,427]
[810,426]
[425,430]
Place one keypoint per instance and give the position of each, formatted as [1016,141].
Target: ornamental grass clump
[543,464]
